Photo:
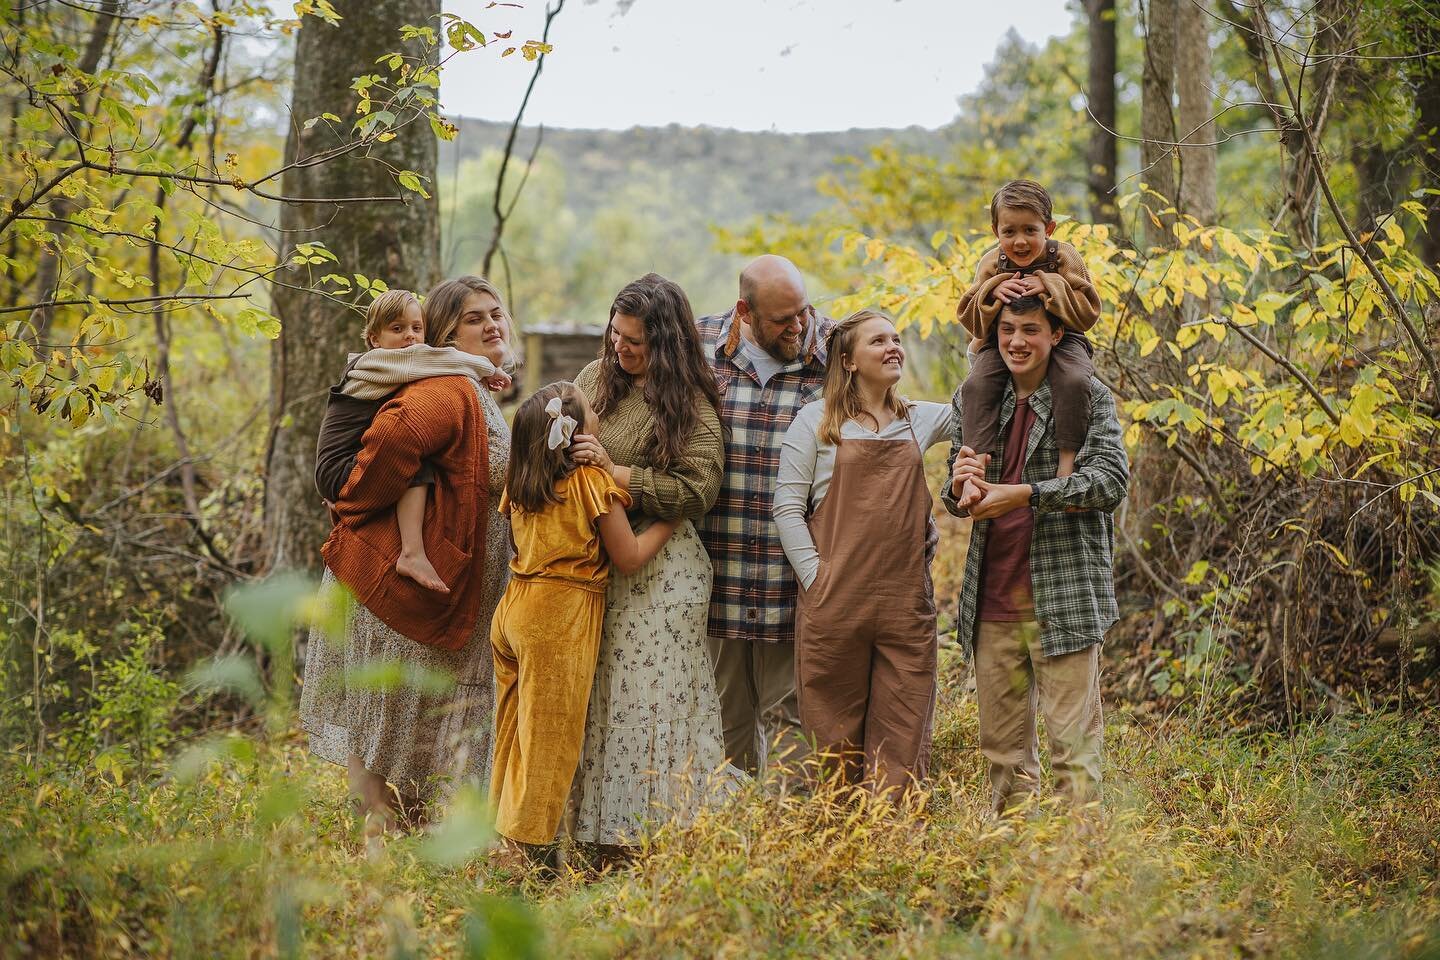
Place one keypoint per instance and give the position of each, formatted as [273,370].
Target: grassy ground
[1324,843]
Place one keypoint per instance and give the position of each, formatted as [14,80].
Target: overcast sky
[790,65]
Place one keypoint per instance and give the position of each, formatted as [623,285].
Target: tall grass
[1321,843]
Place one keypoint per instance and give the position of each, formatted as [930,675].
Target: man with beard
[768,354]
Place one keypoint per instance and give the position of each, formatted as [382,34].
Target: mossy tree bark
[1102,153]
[396,242]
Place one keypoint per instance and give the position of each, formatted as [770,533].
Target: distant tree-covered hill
[602,207]
[724,175]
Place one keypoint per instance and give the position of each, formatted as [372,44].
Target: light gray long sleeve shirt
[807,464]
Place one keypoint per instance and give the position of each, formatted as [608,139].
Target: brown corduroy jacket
[1069,294]
[440,421]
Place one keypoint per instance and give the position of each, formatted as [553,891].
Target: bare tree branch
[197,297]
[502,215]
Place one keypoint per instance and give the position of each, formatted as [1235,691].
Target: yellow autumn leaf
[1219,390]
[1350,433]
[1394,233]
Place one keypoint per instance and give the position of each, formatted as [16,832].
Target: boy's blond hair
[1022,195]
[389,306]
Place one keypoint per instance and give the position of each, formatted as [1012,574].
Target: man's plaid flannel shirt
[753,597]
[1071,566]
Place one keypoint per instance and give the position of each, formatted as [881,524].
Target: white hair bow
[562,425]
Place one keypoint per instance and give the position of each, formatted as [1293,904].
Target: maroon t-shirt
[1005,592]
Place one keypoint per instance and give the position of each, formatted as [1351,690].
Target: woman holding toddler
[398,741]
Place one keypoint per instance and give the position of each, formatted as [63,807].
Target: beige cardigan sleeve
[978,308]
[1069,294]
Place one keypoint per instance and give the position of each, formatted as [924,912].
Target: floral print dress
[653,738]
[417,739]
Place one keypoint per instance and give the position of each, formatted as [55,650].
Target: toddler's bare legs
[1067,463]
[413,563]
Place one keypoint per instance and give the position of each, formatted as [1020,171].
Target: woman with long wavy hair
[653,735]
[853,510]
[403,742]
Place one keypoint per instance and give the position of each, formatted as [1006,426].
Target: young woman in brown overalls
[853,510]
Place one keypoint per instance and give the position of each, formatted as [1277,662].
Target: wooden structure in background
[553,352]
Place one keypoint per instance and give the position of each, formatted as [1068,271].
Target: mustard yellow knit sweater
[689,488]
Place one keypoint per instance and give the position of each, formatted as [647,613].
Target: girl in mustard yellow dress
[569,528]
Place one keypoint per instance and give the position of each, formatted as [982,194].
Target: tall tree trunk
[1381,176]
[1157,118]
[1198,184]
[1198,190]
[1101,97]
[1153,461]
[1335,26]
[1157,151]
[395,242]
[47,275]
[1426,83]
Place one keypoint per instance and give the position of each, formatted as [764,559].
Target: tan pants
[756,683]
[1012,678]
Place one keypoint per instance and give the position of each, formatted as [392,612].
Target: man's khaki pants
[1012,678]
[758,709]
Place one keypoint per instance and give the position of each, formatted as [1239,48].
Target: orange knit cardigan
[440,420]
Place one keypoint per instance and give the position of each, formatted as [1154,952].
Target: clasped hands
[978,497]
[1018,285]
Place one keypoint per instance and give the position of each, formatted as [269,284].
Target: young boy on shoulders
[1026,262]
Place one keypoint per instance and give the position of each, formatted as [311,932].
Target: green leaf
[411,180]
[279,803]
[230,674]
[464,831]
[502,927]
[269,611]
[34,119]
[193,761]
[394,674]
[443,128]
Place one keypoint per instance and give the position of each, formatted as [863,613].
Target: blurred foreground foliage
[1212,843]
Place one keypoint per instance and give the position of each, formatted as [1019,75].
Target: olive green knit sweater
[688,489]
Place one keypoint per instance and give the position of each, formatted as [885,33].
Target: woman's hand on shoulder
[586,450]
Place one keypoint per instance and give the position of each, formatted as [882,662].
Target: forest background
[199,200]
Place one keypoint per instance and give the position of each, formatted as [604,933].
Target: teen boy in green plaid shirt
[1039,592]
[768,354]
